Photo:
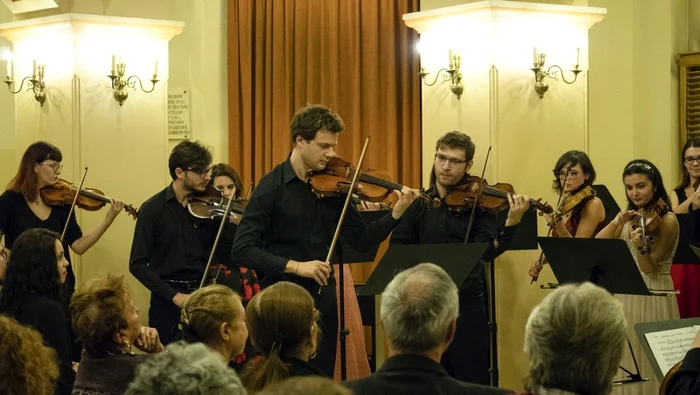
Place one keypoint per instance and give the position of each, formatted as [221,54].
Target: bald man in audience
[419,311]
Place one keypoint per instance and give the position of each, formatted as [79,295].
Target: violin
[90,199]
[669,375]
[373,186]
[211,204]
[650,217]
[492,198]
[574,200]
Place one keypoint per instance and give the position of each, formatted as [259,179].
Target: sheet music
[669,347]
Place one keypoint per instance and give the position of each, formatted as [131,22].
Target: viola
[373,186]
[90,199]
[491,198]
[650,216]
[211,204]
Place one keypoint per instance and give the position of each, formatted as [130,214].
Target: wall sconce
[538,59]
[35,82]
[119,83]
[452,73]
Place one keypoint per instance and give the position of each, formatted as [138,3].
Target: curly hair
[204,312]
[183,370]
[97,311]
[309,119]
[27,365]
[32,268]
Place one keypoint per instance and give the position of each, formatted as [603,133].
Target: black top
[680,193]
[687,380]
[410,374]
[421,224]
[16,216]
[299,368]
[50,319]
[284,220]
[170,244]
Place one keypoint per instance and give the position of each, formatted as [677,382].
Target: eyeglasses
[573,174]
[440,159]
[689,160]
[200,172]
[56,166]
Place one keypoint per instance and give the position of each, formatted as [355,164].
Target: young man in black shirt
[286,230]
[170,248]
[467,358]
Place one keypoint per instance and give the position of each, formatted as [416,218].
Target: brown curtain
[354,56]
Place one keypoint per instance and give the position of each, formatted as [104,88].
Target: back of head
[189,155]
[32,268]
[574,339]
[418,308]
[310,385]
[204,312]
[97,311]
[185,369]
[282,323]
[27,365]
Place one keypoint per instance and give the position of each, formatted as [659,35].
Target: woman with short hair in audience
[107,323]
[310,385]
[27,365]
[32,294]
[214,315]
[282,321]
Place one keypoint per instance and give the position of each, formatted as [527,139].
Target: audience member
[309,385]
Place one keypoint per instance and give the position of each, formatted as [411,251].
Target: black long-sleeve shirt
[284,220]
[421,224]
[687,380]
[170,244]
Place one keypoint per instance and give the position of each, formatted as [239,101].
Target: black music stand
[684,252]
[607,263]
[643,328]
[457,259]
[609,203]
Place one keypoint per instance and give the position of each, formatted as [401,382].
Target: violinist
[650,229]
[22,207]
[686,200]
[467,358]
[171,248]
[287,229]
[584,214]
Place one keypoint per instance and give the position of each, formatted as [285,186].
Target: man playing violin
[467,358]
[171,248]
[286,229]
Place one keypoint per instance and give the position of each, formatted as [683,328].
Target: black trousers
[163,315]
[467,358]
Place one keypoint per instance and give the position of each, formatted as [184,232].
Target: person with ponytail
[214,315]
[282,321]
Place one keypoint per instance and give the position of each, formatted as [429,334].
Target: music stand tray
[457,259]
[605,262]
[611,206]
[642,329]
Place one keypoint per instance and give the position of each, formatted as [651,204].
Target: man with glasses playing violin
[286,230]
[171,248]
[467,358]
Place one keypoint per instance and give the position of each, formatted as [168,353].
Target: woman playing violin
[22,208]
[650,230]
[686,200]
[581,213]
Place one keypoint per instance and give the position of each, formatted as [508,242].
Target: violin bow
[72,206]
[224,219]
[250,189]
[551,227]
[355,179]
[476,198]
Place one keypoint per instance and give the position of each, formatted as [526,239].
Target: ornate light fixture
[448,74]
[538,59]
[35,83]
[119,83]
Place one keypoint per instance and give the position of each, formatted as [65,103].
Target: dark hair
[685,177]
[643,166]
[223,169]
[25,180]
[574,158]
[310,119]
[454,140]
[279,322]
[189,155]
[97,312]
[32,268]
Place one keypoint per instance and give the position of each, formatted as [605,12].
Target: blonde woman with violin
[22,206]
[581,213]
[686,200]
[650,229]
